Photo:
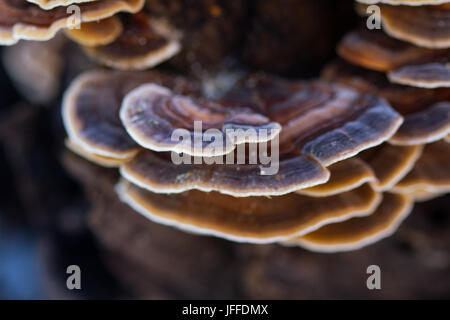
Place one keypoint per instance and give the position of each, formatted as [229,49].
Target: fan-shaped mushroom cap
[344,176]
[100,160]
[390,163]
[375,50]
[156,172]
[359,232]
[405,2]
[91,109]
[144,43]
[151,114]
[35,68]
[23,20]
[426,26]
[306,110]
[426,118]
[96,33]
[50,4]
[426,126]
[345,121]
[432,75]
[251,219]
[431,172]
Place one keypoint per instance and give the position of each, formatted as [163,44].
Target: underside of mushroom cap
[359,232]
[375,50]
[251,219]
[432,75]
[91,109]
[23,20]
[431,172]
[425,26]
[144,43]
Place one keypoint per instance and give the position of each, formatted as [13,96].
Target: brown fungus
[97,159]
[425,26]
[426,116]
[144,43]
[390,163]
[151,113]
[27,21]
[324,120]
[250,219]
[308,112]
[156,172]
[431,172]
[426,126]
[96,33]
[432,75]
[374,50]
[91,109]
[344,176]
[36,68]
[359,232]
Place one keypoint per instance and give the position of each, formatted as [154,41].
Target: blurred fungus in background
[86,117]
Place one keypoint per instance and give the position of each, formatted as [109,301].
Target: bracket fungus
[350,152]
[21,20]
[358,232]
[143,43]
[249,219]
[431,173]
[150,113]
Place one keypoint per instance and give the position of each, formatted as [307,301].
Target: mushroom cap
[427,126]
[250,219]
[154,171]
[359,232]
[23,20]
[100,160]
[404,99]
[431,172]
[50,4]
[96,33]
[344,176]
[312,113]
[151,114]
[306,110]
[405,2]
[430,75]
[425,26]
[144,43]
[373,49]
[425,116]
[91,109]
[390,163]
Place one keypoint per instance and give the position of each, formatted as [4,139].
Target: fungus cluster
[354,149]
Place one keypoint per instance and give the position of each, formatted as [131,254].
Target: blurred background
[58,210]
